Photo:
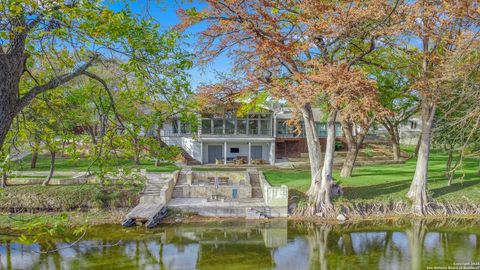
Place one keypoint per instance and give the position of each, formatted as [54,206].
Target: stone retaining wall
[273,196]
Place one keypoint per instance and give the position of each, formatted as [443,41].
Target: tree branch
[110,96]
[53,83]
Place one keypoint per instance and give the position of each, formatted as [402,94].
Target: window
[229,126]
[413,124]
[218,126]
[321,129]
[265,127]
[234,150]
[206,126]
[184,128]
[175,127]
[281,128]
[241,126]
[253,126]
[338,130]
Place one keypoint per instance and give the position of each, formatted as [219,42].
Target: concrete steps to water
[151,208]
[255,183]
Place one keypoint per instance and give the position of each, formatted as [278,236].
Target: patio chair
[223,180]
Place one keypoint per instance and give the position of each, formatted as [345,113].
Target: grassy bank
[36,198]
[70,218]
[386,183]
[82,164]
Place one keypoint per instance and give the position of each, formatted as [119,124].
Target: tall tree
[392,71]
[457,127]
[297,51]
[62,40]
[438,28]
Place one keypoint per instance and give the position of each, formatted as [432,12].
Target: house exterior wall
[279,142]
[188,143]
[243,149]
[410,130]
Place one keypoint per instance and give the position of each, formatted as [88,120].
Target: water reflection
[275,245]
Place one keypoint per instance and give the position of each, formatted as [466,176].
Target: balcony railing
[302,135]
[219,133]
[177,134]
[238,133]
[290,135]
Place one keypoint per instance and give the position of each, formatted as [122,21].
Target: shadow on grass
[373,191]
[385,173]
[437,192]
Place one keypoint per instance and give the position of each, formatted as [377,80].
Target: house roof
[287,113]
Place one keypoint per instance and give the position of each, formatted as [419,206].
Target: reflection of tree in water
[346,246]
[318,245]
[404,245]
[416,237]
[45,257]
[9,254]
[477,248]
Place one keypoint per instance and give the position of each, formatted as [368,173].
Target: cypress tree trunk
[3,182]
[353,144]
[418,188]
[91,131]
[5,123]
[392,129]
[323,198]
[350,158]
[137,151]
[448,165]
[46,182]
[314,149]
[396,150]
[11,69]
[417,147]
[452,171]
[33,162]
[396,144]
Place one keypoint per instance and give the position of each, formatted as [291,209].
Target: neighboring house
[409,130]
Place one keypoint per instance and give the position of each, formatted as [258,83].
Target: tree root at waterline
[319,200]
[360,210]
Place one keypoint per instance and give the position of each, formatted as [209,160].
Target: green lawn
[391,182]
[68,164]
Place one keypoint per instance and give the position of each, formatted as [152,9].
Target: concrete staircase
[152,188]
[151,208]
[189,160]
[255,183]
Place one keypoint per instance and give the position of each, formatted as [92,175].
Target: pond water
[403,244]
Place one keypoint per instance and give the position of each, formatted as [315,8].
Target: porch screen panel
[229,126]
[265,127]
[241,126]
[206,126]
[338,130]
[321,129]
[218,126]
[253,126]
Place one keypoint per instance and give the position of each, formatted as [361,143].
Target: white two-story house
[257,138]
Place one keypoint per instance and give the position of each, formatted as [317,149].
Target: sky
[164,12]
